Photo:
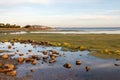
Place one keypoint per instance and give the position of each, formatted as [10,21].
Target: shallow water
[101,69]
[79,32]
[70,32]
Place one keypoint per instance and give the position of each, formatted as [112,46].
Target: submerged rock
[29,50]
[32,70]
[17,50]
[117,59]
[87,68]
[67,65]
[78,62]
[52,61]
[117,64]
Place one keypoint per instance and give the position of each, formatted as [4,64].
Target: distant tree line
[37,26]
[2,25]
[27,26]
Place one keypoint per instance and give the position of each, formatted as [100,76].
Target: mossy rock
[82,48]
[65,44]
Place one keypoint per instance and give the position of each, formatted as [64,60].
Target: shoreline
[73,41]
[92,30]
[79,32]
[63,32]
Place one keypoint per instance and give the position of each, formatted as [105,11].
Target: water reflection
[68,32]
[101,69]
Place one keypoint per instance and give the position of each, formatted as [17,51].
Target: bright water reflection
[101,69]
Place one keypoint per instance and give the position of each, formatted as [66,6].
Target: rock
[12,73]
[3,41]
[78,63]
[3,70]
[21,54]
[117,64]
[29,50]
[38,51]
[42,62]
[44,52]
[29,59]
[52,57]
[5,56]
[25,46]
[54,52]
[9,47]
[1,64]
[9,66]
[34,63]
[82,48]
[32,70]
[20,59]
[45,58]
[106,51]
[13,48]
[17,50]
[87,68]
[80,55]
[117,59]
[67,65]
[34,56]
[12,44]
[37,58]
[52,61]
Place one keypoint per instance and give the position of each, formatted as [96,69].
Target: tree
[27,26]
[2,25]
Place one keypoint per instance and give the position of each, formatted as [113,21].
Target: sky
[61,13]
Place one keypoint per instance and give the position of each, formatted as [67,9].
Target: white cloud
[77,1]
[16,2]
[61,20]
[84,17]
[40,1]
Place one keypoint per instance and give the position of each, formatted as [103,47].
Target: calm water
[100,30]
[90,29]
[101,69]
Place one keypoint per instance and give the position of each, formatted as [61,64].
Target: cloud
[60,20]
[83,17]
[40,1]
[77,1]
[115,12]
[16,2]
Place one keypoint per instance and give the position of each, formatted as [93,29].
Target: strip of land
[100,43]
[92,41]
